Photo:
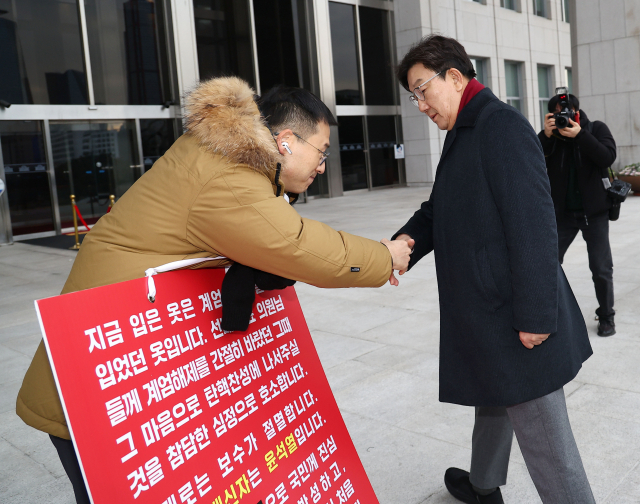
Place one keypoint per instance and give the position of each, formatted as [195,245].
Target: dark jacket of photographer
[591,153]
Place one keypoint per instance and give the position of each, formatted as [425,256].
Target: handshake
[400,249]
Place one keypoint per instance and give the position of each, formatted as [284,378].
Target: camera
[562,117]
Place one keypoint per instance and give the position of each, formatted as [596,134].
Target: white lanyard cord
[183,263]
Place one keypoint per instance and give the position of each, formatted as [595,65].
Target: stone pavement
[379,348]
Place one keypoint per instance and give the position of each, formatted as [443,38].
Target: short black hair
[437,53]
[294,108]
[573,102]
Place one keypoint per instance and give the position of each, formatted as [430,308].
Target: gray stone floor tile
[418,331]
[606,402]
[394,457]
[12,364]
[446,422]
[334,349]
[8,395]
[628,489]
[348,374]
[614,364]
[15,466]
[58,491]
[37,447]
[26,344]
[388,357]
[351,318]
[388,397]
[609,447]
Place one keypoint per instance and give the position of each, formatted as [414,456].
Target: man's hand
[570,132]
[530,340]
[400,251]
[410,242]
[549,124]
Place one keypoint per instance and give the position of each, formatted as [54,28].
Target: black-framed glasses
[323,154]
[417,93]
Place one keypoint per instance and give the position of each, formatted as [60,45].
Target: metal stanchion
[75,222]
[112,201]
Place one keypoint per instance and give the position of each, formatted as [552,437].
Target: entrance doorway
[26,177]
[93,160]
[369,123]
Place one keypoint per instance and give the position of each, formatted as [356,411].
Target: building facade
[521,50]
[90,91]
[606,51]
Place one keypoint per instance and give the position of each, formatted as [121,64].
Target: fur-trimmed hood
[223,117]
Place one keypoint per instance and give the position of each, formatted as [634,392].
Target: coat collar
[222,116]
[471,111]
[468,117]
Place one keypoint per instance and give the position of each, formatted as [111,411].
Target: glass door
[382,140]
[93,160]
[157,136]
[26,176]
[352,153]
[365,94]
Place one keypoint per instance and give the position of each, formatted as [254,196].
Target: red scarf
[472,89]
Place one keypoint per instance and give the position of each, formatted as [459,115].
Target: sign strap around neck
[175,265]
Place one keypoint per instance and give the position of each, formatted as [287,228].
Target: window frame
[517,7]
[485,66]
[520,81]
[543,101]
[546,8]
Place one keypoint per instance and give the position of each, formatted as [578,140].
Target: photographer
[578,154]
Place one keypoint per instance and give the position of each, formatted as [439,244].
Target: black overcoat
[490,222]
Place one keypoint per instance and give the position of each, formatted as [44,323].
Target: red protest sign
[165,408]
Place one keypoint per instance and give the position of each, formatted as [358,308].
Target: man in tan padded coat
[222,189]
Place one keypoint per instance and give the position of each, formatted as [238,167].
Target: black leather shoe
[457,482]
[606,327]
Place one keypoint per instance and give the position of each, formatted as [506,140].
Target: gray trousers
[547,445]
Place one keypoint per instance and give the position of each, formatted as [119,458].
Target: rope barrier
[77,214]
[80,216]
[75,224]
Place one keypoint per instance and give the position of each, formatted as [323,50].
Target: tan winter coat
[212,194]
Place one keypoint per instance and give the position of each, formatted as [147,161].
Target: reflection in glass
[128,52]
[544,90]
[352,155]
[157,136]
[512,77]
[480,66]
[382,138]
[281,39]
[92,161]
[25,169]
[223,38]
[41,57]
[377,60]
[345,54]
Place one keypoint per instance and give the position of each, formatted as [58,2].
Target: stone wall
[605,44]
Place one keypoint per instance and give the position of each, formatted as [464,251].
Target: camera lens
[561,121]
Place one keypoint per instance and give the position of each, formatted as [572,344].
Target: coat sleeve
[547,143]
[238,216]
[599,147]
[420,228]
[514,165]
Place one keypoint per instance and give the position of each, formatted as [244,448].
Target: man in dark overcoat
[512,334]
